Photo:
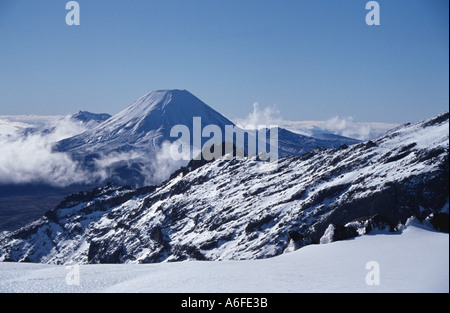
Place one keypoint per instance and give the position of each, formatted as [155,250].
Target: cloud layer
[349,128]
[26,154]
[343,126]
[260,118]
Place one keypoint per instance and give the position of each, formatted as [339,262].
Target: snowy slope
[415,261]
[249,209]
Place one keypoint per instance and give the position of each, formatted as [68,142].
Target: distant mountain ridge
[85,116]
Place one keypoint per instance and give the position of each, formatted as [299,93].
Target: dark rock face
[373,223]
[440,119]
[186,252]
[104,252]
[440,221]
[338,232]
[157,235]
[299,240]
[259,224]
[343,233]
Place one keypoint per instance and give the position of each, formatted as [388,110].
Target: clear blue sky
[313,59]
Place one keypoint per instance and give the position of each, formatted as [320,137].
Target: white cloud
[347,127]
[260,118]
[27,156]
[163,164]
[343,126]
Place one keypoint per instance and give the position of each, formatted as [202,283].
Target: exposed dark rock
[104,252]
[437,120]
[342,233]
[299,239]
[339,232]
[376,222]
[370,144]
[440,221]
[257,225]
[157,235]
[185,252]
[295,236]
[26,260]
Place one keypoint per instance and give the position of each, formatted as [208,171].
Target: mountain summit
[148,120]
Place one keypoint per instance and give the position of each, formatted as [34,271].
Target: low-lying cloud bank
[343,126]
[260,117]
[26,154]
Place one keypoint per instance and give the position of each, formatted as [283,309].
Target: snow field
[416,260]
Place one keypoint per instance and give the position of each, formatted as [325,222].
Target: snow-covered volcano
[147,121]
[132,140]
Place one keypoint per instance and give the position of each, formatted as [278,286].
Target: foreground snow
[415,261]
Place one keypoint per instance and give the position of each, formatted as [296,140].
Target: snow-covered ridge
[248,209]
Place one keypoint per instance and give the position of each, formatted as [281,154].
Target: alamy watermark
[373,17]
[373,276]
[73,275]
[210,143]
[73,16]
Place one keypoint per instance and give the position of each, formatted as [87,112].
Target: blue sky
[311,59]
